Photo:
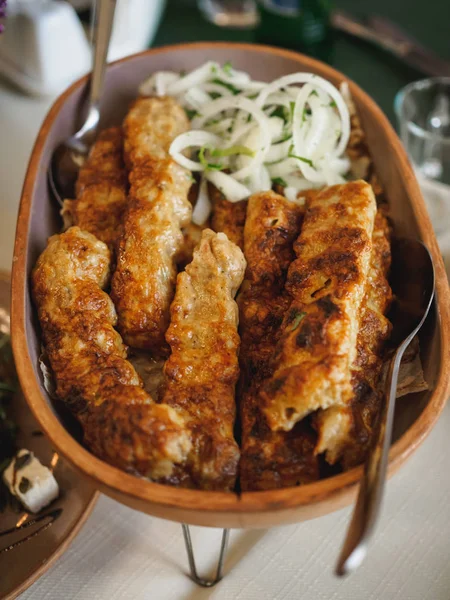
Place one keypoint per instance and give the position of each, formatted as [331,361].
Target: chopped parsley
[234,90]
[209,166]
[297,319]
[233,150]
[292,108]
[306,113]
[281,112]
[302,158]
[191,113]
[227,68]
[279,181]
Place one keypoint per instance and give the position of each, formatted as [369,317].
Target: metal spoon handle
[103,22]
[371,489]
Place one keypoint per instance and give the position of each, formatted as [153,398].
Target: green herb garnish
[191,113]
[291,109]
[227,85]
[306,113]
[333,104]
[281,112]
[233,150]
[279,181]
[209,166]
[298,318]
[227,68]
[302,158]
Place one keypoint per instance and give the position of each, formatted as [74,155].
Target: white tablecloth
[123,554]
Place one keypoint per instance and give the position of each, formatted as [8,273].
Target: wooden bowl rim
[110,478]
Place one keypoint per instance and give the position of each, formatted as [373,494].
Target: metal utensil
[385,34]
[70,155]
[412,279]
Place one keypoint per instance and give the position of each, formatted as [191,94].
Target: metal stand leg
[191,558]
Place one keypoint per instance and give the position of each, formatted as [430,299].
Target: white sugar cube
[33,483]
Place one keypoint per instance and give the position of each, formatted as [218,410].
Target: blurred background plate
[27,552]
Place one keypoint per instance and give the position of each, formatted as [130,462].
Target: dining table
[124,554]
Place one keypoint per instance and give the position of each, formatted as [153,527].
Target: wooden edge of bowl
[153,497]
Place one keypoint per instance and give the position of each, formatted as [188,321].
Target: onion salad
[248,135]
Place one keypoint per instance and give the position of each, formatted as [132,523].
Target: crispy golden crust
[202,370]
[228,217]
[347,431]
[268,459]
[192,235]
[121,423]
[101,190]
[326,282]
[158,208]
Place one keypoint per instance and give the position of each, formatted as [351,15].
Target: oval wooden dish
[38,219]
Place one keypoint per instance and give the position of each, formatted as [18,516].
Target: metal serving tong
[385,34]
[412,277]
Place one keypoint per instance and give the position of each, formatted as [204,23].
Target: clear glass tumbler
[423,113]
[239,14]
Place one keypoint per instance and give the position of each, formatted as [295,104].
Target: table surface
[124,554]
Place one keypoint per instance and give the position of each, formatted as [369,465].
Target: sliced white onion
[241,103]
[318,82]
[276,125]
[241,132]
[163,79]
[277,100]
[291,194]
[157,83]
[195,77]
[298,182]
[278,152]
[202,208]
[282,168]
[236,78]
[230,188]
[300,127]
[316,131]
[215,88]
[259,181]
[254,86]
[192,139]
[221,126]
[195,97]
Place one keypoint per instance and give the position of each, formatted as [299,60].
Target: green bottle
[302,25]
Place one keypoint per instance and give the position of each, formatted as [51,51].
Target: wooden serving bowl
[38,219]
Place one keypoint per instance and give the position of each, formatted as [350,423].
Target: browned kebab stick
[268,459]
[101,190]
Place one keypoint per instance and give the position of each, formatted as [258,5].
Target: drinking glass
[423,113]
[241,14]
